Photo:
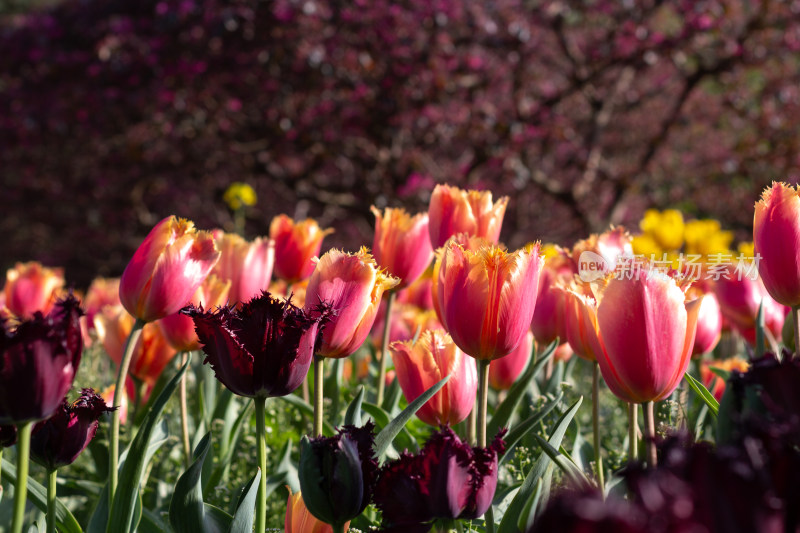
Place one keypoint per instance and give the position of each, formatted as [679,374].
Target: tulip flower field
[639,380]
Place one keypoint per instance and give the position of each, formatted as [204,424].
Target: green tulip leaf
[186,507]
[353,415]
[522,428]
[702,392]
[243,517]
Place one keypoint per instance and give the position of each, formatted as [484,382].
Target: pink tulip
[169,265]
[486,298]
[709,323]
[247,265]
[776,237]
[401,244]
[580,321]
[30,287]
[504,372]
[468,242]
[646,328]
[611,246]
[296,244]
[353,285]
[548,321]
[422,364]
[453,210]
[739,297]
[178,328]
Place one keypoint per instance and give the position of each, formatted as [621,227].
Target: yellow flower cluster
[239,194]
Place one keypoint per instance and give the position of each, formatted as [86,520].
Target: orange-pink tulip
[486,298]
[296,245]
[169,265]
[453,210]
[151,353]
[739,297]
[420,365]
[504,372]
[31,287]
[300,520]
[776,238]
[468,242]
[709,322]
[548,321]
[102,292]
[353,285]
[401,244]
[607,247]
[580,321]
[178,328]
[646,328]
[247,265]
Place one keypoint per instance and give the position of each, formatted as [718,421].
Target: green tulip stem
[21,488]
[483,397]
[796,324]
[598,456]
[52,477]
[261,504]
[119,390]
[319,363]
[1,473]
[633,429]
[650,427]
[471,424]
[387,326]
[187,449]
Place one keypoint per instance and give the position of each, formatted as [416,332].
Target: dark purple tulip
[60,439]
[338,474]
[38,361]
[8,436]
[263,349]
[448,479]
[587,512]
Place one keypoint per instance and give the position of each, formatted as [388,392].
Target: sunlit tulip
[247,265]
[504,372]
[453,210]
[647,332]
[151,353]
[709,322]
[38,361]
[468,242]
[299,520]
[30,287]
[352,284]
[420,365]
[166,269]
[102,292]
[714,383]
[776,236]
[580,322]
[448,479]
[60,439]
[610,246]
[296,245]
[739,297]
[262,349]
[487,297]
[401,245]
[178,328]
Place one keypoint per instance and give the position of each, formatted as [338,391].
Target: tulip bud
[60,439]
[169,265]
[453,211]
[337,474]
[296,244]
[419,365]
[352,284]
[402,245]
[30,287]
[776,236]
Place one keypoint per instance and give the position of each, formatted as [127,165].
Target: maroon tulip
[448,479]
[38,361]
[263,349]
[60,439]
